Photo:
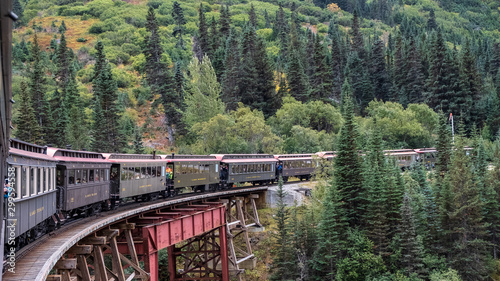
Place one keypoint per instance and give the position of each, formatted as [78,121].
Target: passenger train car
[49,185]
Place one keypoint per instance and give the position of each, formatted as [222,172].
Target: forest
[238,76]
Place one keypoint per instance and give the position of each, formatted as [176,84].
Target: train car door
[114,185]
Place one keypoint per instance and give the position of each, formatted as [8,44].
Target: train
[49,185]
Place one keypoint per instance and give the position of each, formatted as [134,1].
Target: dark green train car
[301,166]
[137,176]
[198,172]
[82,181]
[251,168]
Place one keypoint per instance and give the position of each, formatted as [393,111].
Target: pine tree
[266,18]
[414,78]
[336,61]
[471,87]
[178,16]
[62,27]
[431,22]
[491,209]
[282,261]
[297,79]
[348,166]
[203,32]
[224,22]
[214,39]
[331,236]
[62,63]
[321,80]
[357,44]
[37,83]
[359,80]
[252,18]
[443,146]
[178,80]
[105,95]
[410,245]
[27,127]
[18,9]
[138,146]
[154,68]
[465,228]
[378,71]
[231,76]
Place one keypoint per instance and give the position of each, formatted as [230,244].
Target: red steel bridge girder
[167,233]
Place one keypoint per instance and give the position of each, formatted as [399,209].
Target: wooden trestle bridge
[206,233]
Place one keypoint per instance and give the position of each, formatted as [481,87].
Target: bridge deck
[37,264]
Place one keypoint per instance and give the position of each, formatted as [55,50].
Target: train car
[198,172]
[82,181]
[404,157]
[136,176]
[252,168]
[297,165]
[31,199]
[427,156]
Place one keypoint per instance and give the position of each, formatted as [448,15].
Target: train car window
[24,182]
[189,169]
[233,169]
[148,173]
[143,172]
[272,167]
[158,171]
[183,168]
[38,180]
[44,179]
[32,181]
[153,171]
[49,178]
[78,176]
[124,175]
[96,178]
[71,177]
[102,174]
[216,168]
[91,175]
[137,173]
[84,176]
[130,173]
[244,168]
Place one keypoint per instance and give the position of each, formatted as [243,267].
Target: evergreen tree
[224,22]
[443,146]
[359,80]
[348,166]
[297,79]
[414,78]
[154,67]
[357,44]
[62,27]
[138,145]
[76,118]
[491,209]
[252,17]
[105,96]
[214,39]
[37,83]
[331,236]
[378,71]
[27,127]
[266,18]
[178,80]
[431,22]
[336,61]
[410,245]
[18,9]
[231,76]
[178,16]
[203,32]
[471,87]
[62,63]
[321,79]
[282,261]
[465,228]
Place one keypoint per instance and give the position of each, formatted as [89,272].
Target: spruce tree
[27,127]
[138,145]
[378,71]
[266,18]
[224,22]
[203,32]
[465,227]
[491,209]
[252,18]
[321,82]
[282,261]
[105,95]
[471,86]
[18,9]
[431,22]
[231,76]
[357,44]
[37,83]
[348,167]
[336,61]
[411,247]
[331,236]
[62,63]
[154,67]
[178,16]
[414,78]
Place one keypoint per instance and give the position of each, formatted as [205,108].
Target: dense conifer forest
[290,76]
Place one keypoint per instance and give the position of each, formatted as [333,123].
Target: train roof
[303,155]
[68,155]
[26,146]
[240,158]
[400,152]
[30,154]
[425,150]
[326,154]
[181,157]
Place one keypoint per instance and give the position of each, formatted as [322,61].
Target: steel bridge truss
[198,238]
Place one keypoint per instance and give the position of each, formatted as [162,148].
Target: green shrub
[81,39]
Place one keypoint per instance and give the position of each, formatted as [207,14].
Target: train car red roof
[296,158]
[15,151]
[249,160]
[169,160]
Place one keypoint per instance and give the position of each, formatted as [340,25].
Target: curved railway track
[38,267]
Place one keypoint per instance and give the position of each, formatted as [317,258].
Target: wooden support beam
[110,233]
[253,196]
[83,267]
[117,264]
[65,264]
[131,246]
[99,266]
[93,240]
[80,250]
[123,226]
[54,278]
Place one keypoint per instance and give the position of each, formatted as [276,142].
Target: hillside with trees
[237,76]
